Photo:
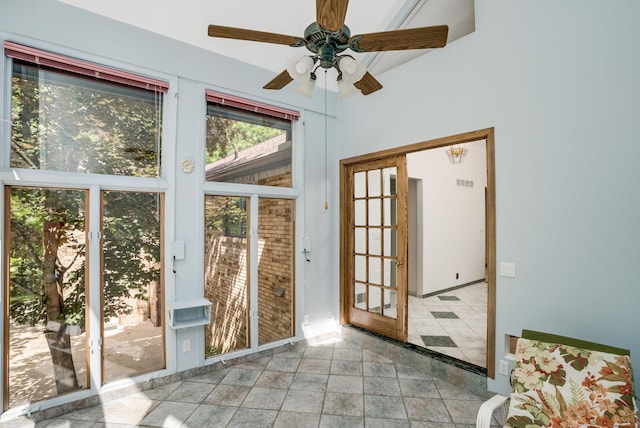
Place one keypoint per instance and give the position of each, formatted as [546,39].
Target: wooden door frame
[486,134]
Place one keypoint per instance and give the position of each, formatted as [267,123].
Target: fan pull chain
[326,171]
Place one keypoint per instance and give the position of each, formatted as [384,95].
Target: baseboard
[445,290]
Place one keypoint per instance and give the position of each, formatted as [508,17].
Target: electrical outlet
[305,321]
[504,367]
[186,345]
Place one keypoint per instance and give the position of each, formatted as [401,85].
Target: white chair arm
[488,407]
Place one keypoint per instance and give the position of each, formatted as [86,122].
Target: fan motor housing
[317,37]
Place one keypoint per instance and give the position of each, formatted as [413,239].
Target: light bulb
[347,65]
[301,68]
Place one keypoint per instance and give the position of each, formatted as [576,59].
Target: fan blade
[411,38]
[368,84]
[330,14]
[252,35]
[279,82]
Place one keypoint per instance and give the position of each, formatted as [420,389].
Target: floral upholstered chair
[563,382]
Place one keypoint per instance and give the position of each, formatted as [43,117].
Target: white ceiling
[187,21]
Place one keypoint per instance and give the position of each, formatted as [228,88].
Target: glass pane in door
[133,340]
[359,184]
[390,304]
[46,294]
[360,240]
[374,300]
[360,263]
[225,274]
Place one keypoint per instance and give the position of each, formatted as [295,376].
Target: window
[75,123]
[100,129]
[228,262]
[248,143]
[249,260]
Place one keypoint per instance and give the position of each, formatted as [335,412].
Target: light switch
[508,269]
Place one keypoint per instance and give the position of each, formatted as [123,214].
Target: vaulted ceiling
[187,21]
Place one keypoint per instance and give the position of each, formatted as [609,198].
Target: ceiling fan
[327,39]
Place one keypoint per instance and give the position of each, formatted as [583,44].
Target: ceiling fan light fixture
[352,71]
[299,68]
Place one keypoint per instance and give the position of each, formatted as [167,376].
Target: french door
[375,251]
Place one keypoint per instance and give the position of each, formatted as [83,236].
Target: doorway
[404,188]
[447,265]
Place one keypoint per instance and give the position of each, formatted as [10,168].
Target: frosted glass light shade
[306,88]
[346,89]
[352,70]
[300,68]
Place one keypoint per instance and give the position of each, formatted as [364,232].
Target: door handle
[399,263]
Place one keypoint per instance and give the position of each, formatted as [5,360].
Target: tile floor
[453,323]
[333,383]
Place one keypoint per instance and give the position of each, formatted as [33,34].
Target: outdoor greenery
[226,136]
[72,124]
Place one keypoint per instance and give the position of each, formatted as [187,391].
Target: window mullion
[253,270]
[94,287]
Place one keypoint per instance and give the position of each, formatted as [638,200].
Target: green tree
[226,136]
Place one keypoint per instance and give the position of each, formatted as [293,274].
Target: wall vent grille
[464,183]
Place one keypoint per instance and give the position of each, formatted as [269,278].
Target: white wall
[560,83]
[453,225]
